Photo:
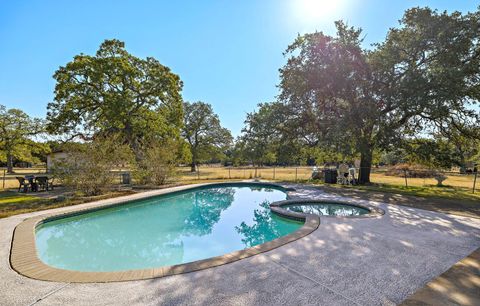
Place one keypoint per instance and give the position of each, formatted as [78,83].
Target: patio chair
[50,182]
[342,177]
[31,181]
[352,174]
[43,183]
[23,183]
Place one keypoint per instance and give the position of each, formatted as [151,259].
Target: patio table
[34,182]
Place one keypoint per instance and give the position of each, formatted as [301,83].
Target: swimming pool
[166,230]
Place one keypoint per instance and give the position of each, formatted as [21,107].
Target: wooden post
[4,172]
[405,174]
[474,181]
[198,172]
[296,173]
[244,173]
[229,175]
[273,172]
[255,172]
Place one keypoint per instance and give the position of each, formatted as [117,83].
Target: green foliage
[16,132]
[433,153]
[270,138]
[117,93]
[158,163]
[322,155]
[184,155]
[204,134]
[88,167]
[422,79]
[32,152]
[265,140]
[392,156]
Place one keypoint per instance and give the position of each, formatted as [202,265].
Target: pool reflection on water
[328,209]
[164,230]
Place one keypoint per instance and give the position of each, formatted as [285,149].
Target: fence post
[273,172]
[4,172]
[244,173]
[255,172]
[229,176]
[474,181]
[198,172]
[296,173]
[405,174]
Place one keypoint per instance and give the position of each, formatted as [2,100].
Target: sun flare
[315,10]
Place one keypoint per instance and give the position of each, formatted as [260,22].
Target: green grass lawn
[12,203]
[9,197]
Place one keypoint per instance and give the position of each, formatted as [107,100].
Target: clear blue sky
[226,52]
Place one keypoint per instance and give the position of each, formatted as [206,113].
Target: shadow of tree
[369,261]
[444,205]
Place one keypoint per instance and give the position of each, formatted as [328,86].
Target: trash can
[126,178]
[330,176]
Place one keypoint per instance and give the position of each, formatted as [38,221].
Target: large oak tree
[424,78]
[16,132]
[203,132]
[114,92]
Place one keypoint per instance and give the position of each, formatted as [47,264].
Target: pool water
[164,230]
[328,209]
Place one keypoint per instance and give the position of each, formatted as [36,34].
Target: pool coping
[24,259]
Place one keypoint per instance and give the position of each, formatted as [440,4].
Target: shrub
[412,170]
[88,167]
[157,165]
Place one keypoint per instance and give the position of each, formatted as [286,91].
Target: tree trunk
[9,163]
[193,165]
[365,165]
[134,144]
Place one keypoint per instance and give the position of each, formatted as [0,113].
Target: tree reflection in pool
[265,226]
[327,209]
[165,230]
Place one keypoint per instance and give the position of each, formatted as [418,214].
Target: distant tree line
[411,98]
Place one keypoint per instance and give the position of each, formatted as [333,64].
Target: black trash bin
[126,178]
[330,176]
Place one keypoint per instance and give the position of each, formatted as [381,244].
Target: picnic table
[34,183]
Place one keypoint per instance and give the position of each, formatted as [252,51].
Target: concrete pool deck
[363,261]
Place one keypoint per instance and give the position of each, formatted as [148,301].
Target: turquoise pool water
[164,230]
[328,209]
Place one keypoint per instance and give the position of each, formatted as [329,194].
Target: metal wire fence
[382,175]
